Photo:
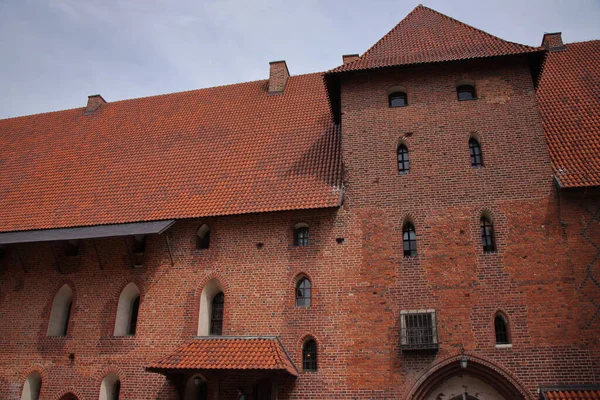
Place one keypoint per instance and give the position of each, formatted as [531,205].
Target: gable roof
[217,151]
[580,392]
[569,96]
[426,36]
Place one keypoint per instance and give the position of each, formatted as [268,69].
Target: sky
[54,53]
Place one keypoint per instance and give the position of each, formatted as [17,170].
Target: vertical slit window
[66,325]
[216,314]
[303,293]
[475,150]
[403,161]
[409,240]
[309,355]
[501,328]
[487,235]
[135,309]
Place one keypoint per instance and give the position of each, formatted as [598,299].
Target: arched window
[487,235]
[403,161]
[110,388]
[32,387]
[61,310]
[309,355]
[127,311]
[301,235]
[209,293]
[216,314]
[466,92]
[203,237]
[475,151]
[303,292]
[398,99]
[196,388]
[501,329]
[409,240]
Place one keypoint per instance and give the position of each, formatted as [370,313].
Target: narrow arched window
[501,329]
[216,314]
[309,355]
[110,388]
[32,387]
[203,237]
[466,92]
[127,311]
[475,151]
[61,311]
[301,235]
[409,240]
[487,235]
[398,99]
[403,161]
[303,293]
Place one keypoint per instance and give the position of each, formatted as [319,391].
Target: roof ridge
[583,42]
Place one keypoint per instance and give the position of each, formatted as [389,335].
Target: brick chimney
[278,76]
[553,41]
[348,58]
[94,101]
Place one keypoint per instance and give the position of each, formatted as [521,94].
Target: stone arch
[32,386]
[210,290]
[62,304]
[126,310]
[478,368]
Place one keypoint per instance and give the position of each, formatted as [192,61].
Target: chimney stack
[553,42]
[278,76]
[348,58]
[94,101]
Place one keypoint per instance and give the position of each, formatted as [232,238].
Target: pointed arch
[58,324]
[32,386]
[209,310]
[127,311]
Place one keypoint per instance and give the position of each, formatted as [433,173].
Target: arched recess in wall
[127,311]
[212,288]
[32,386]
[449,374]
[196,388]
[61,310]
[110,388]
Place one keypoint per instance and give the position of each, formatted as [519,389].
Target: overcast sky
[54,53]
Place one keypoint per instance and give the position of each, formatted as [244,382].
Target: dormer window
[466,92]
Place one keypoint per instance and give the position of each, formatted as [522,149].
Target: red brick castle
[421,222]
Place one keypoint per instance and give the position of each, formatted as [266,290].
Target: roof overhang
[86,232]
[571,392]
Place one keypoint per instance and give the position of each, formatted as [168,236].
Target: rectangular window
[418,330]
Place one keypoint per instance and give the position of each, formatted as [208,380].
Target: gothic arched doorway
[480,379]
[69,396]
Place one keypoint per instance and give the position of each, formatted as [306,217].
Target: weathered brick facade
[544,276]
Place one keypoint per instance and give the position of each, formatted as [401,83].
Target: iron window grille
[403,161]
[418,330]
[216,314]
[466,92]
[475,151]
[409,240]
[501,328]
[303,293]
[309,355]
[301,236]
[487,235]
[398,99]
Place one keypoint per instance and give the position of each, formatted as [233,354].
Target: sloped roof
[571,393]
[217,151]
[569,97]
[427,36]
[230,353]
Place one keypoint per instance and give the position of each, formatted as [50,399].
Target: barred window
[487,235]
[301,235]
[216,314]
[309,355]
[466,92]
[409,240]
[403,161]
[398,99]
[475,150]
[501,328]
[303,293]
[419,330]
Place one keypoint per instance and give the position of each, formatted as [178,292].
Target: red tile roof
[426,36]
[233,353]
[574,394]
[569,97]
[224,150]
